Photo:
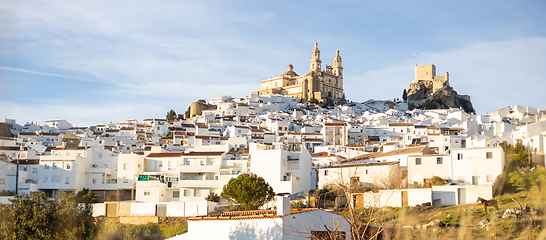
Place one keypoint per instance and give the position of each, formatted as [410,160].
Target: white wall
[449,195]
[475,163]
[185,209]
[251,229]
[428,168]
[99,209]
[293,226]
[393,198]
[143,209]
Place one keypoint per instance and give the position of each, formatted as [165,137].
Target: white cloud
[494,74]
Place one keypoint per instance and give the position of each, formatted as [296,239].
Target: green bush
[213,197]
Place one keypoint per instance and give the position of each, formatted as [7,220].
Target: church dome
[290,71]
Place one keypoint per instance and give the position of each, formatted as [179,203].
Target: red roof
[203,153]
[335,124]
[255,214]
[178,154]
[27,133]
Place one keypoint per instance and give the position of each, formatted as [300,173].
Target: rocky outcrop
[421,96]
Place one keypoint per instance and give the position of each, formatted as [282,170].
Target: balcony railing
[199,168]
[198,183]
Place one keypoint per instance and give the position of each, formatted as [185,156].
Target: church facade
[317,84]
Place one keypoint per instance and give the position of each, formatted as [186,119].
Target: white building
[463,166]
[283,223]
[285,171]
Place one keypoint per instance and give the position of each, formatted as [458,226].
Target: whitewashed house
[283,223]
[286,171]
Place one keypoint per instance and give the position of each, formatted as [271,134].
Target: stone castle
[317,84]
[426,74]
[431,91]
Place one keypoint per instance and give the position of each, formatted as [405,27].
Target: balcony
[198,183]
[97,170]
[199,168]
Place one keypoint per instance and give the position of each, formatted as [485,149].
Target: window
[46,166]
[125,166]
[67,180]
[160,164]
[54,166]
[34,170]
[186,161]
[176,194]
[459,156]
[366,171]
[68,166]
[147,193]
[94,181]
[157,128]
[186,192]
[45,179]
[196,193]
[417,161]
[125,180]
[100,155]
[489,155]
[325,172]
[56,179]
[439,160]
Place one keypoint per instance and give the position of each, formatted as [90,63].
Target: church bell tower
[338,69]
[315,61]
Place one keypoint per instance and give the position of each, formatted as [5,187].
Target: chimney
[283,204]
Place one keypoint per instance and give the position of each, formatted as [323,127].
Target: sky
[95,62]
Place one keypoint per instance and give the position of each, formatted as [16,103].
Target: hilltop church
[317,84]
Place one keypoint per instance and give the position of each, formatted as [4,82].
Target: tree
[405,95]
[213,197]
[248,190]
[438,181]
[187,113]
[171,115]
[38,217]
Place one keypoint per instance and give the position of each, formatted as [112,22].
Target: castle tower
[315,61]
[338,69]
[425,72]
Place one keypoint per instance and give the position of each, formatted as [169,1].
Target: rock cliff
[421,96]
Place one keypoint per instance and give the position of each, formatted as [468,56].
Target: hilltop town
[298,132]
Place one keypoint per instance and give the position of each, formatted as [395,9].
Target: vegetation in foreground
[520,197]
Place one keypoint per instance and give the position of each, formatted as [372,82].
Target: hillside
[520,216]
[419,96]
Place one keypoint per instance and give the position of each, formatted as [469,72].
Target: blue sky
[94,62]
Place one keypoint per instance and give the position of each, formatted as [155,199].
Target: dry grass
[470,221]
